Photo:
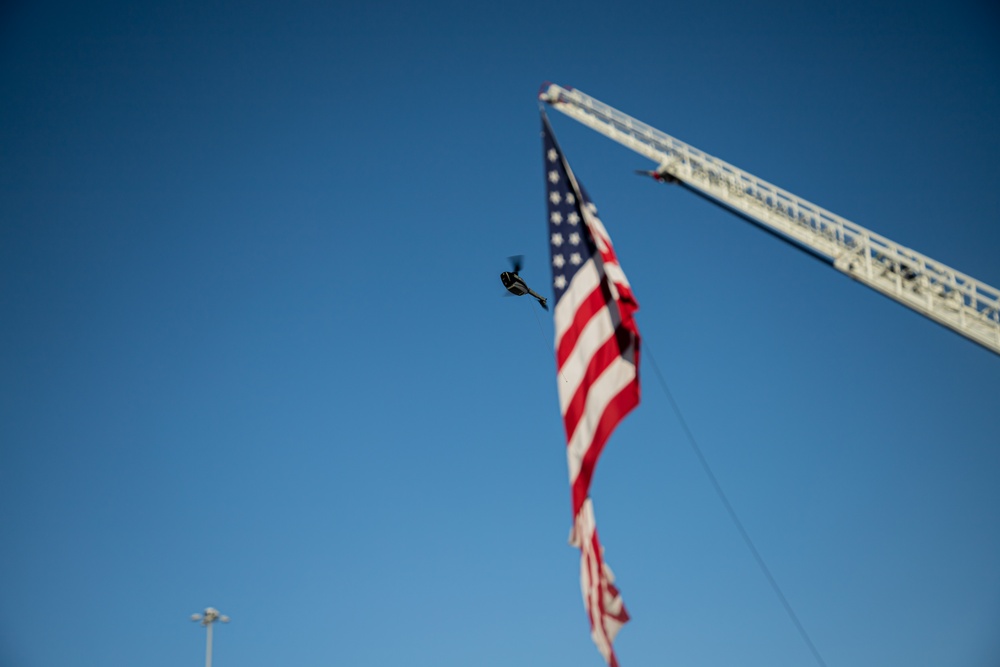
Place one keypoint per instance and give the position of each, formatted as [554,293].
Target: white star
[575,258]
[570,199]
[573,218]
[554,197]
[557,240]
[553,176]
[560,281]
[555,218]
[552,155]
[558,261]
[574,238]
[593,209]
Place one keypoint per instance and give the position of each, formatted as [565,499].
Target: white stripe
[597,229]
[584,282]
[583,524]
[595,333]
[615,273]
[603,240]
[585,521]
[615,378]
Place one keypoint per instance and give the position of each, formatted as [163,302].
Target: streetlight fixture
[208,618]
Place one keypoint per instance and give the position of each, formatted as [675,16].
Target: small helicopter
[515,284]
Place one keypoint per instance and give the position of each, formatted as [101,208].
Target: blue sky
[253,352]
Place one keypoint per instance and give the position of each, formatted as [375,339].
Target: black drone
[516,285]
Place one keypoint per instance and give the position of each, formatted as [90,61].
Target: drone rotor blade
[516,261]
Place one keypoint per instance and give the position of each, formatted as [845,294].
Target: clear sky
[254,355]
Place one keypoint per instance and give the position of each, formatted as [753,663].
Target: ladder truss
[949,297]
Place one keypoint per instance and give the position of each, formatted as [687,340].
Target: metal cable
[732,512]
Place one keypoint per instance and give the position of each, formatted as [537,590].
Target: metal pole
[208,647]
[208,619]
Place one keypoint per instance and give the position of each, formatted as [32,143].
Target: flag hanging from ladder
[597,341]
[597,356]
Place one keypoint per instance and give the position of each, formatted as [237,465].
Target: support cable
[731,511]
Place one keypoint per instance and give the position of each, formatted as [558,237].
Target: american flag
[597,341]
[597,355]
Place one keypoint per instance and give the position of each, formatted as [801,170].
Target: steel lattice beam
[949,297]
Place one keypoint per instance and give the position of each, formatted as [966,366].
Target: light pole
[210,616]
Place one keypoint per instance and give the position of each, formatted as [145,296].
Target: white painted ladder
[949,297]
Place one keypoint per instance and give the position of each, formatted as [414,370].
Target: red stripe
[617,408]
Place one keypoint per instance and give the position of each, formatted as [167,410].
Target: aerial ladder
[966,305]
